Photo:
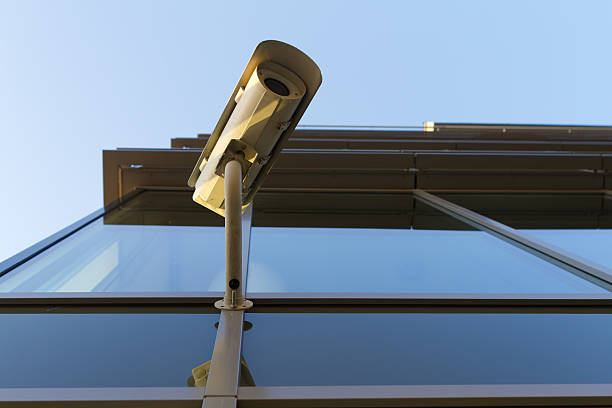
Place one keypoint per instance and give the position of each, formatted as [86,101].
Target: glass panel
[578,223]
[103,350]
[435,254]
[120,254]
[406,349]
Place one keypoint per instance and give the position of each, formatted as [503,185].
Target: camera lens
[276,86]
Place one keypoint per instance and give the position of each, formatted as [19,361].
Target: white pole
[233,298]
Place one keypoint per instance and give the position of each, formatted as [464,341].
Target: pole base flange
[246,304]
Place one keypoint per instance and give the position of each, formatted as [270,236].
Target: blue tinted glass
[103,350]
[404,349]
[400,261]
[592,244]
[126,258]
[575,222]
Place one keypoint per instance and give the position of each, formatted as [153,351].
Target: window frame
[223,388]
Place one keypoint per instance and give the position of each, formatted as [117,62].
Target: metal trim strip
[325,396]
[427,395]
[170,300]
[155,397]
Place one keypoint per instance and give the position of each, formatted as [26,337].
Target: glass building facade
[468,266]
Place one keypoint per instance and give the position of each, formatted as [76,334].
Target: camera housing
[271,96]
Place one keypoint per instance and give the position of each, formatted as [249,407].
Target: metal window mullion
[223,378]
[201,302]
[247,223]
[428,395]
[103,397]
[322,396]
[581,267]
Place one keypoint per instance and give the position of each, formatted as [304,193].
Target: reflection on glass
[126,258]
[405,349]
[575,222]
[539,210]
[428,260]
[592,244]
[103,350]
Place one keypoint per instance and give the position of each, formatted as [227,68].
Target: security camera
[270,98]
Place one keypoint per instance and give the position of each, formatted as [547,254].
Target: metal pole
[233,299]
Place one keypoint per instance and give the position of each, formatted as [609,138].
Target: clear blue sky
[77,77]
